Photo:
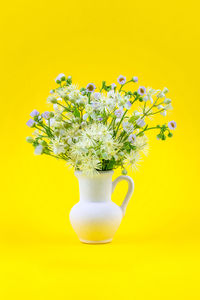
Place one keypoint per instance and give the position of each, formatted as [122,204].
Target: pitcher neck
[97,188]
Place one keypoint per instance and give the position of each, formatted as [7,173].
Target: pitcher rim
[98,172]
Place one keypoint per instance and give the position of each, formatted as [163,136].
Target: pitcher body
[95,218]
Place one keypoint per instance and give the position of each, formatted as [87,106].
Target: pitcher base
[96,242]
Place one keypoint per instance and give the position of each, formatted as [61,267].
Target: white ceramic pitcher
[95,218]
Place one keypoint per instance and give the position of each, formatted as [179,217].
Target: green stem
[40,129]
[124,85]
[157,112]
[146,113]
[155,127]
[67,109]
[89,98]
[120,122]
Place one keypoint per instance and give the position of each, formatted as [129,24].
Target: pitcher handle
[128,194]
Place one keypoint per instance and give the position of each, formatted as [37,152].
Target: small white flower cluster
[98,130]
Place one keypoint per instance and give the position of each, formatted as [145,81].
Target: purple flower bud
[100,119]
[132,138]
[135,79]
[128,104]
[140,122]
[60,78]
[46,115]
[113,86]
[34,113]
[30,123]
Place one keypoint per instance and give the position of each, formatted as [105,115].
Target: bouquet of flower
[99,130]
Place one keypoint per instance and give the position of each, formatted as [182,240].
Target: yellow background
[155,253]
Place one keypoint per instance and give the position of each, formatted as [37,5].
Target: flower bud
[124,172]
[135,79]
[43,143]
[170,134]
[60,77]
[113,86]
[158,136]
[165,90]
[29,139]
[34,113]
[140,122]
[51,114]
[52,99]
[167,101]
[30,123]
[38,150]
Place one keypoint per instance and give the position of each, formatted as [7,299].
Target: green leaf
[77,113]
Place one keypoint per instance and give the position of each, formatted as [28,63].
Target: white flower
[111,94]
[110,104]
[128,127]
[161,94]
[149,95]
[122,101]
[132,159]
[89,108]
[162,110]
[141,144]
[58,147]
[97,96]
[163,113]
[74,96]
[137,113]
[85,116]
[58,109]
[38,150]
[82,100]
[169,107]
[172,125]
[140,122]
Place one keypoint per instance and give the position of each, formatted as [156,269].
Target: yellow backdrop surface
[155,253]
